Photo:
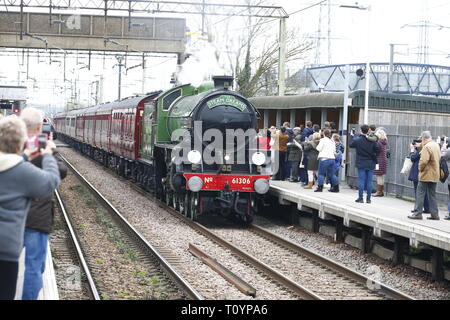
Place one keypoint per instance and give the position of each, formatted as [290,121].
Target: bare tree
[251,52]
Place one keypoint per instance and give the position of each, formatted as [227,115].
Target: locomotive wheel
[193,206]
[187,204]
[182,205]
[175,201]
[169,197]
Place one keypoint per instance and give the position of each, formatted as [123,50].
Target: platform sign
[11,93]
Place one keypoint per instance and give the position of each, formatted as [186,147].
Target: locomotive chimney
[223,82]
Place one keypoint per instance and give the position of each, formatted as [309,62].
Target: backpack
[443,170]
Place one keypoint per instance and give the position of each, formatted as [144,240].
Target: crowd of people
[313,155]
[29,174]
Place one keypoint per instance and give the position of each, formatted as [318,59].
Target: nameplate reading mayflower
[226,100]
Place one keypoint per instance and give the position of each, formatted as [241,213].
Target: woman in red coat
[382,162]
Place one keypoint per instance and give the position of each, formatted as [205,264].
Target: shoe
[416,217]
[359,200]
[414,211]
[368,201]
[426,212]
[433,218]
[380,193]
[334,189]
[327,185]
[319,189]
[447,217]
[309,186]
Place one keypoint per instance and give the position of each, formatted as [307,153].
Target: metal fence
[399,139]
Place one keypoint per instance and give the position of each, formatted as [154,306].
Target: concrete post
[437,265]
[293,125]
[282,58]
[339,237]
[308,115]
[278,122]
[365,240]
[344,121]
[400,245]
[391,69]
[315,221]
[266,119]
[324,117]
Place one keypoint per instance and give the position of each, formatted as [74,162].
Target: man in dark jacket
[306,133]
[414,156]
[366,161]
[39,221]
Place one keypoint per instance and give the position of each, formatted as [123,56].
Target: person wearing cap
[295,154]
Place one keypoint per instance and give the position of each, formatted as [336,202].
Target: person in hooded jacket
[20,181]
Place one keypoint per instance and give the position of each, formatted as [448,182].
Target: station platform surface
[49,290]
[385,214]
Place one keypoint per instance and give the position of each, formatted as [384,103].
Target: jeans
[365,177]
[8,279]
[426,206]
[281,175]
[326,167]
[35,244]
[287,171]
[304,171]
[427,188]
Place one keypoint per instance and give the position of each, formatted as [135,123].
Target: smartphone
[36,141]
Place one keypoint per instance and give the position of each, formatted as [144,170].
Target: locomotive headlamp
[227,157]
[262,186]
[195,184]
[194,157]
[259,158]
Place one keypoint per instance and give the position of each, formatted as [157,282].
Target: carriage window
[167,102]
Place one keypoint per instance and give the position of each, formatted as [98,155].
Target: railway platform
[385,218]
[49,289]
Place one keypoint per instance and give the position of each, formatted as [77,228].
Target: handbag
[407,165]
[302,166]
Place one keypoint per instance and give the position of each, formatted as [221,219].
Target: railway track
[317,277]
[159,266]
[313,277]
[92,288]
[327,278]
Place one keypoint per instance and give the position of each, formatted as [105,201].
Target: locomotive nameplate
[226,100]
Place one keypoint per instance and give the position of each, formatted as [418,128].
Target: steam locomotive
[162,141]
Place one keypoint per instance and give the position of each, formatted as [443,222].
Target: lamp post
[367,90]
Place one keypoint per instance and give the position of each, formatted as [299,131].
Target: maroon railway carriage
[108,132]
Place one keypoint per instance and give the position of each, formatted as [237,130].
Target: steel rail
[280,278]
[333,265]
[79,252]
[165,265]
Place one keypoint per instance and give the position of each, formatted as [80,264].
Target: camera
[417,141]
[46,129]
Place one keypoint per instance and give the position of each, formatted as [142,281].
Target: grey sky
[387,18]
[348,45]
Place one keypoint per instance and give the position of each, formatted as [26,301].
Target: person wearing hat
[295,154]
